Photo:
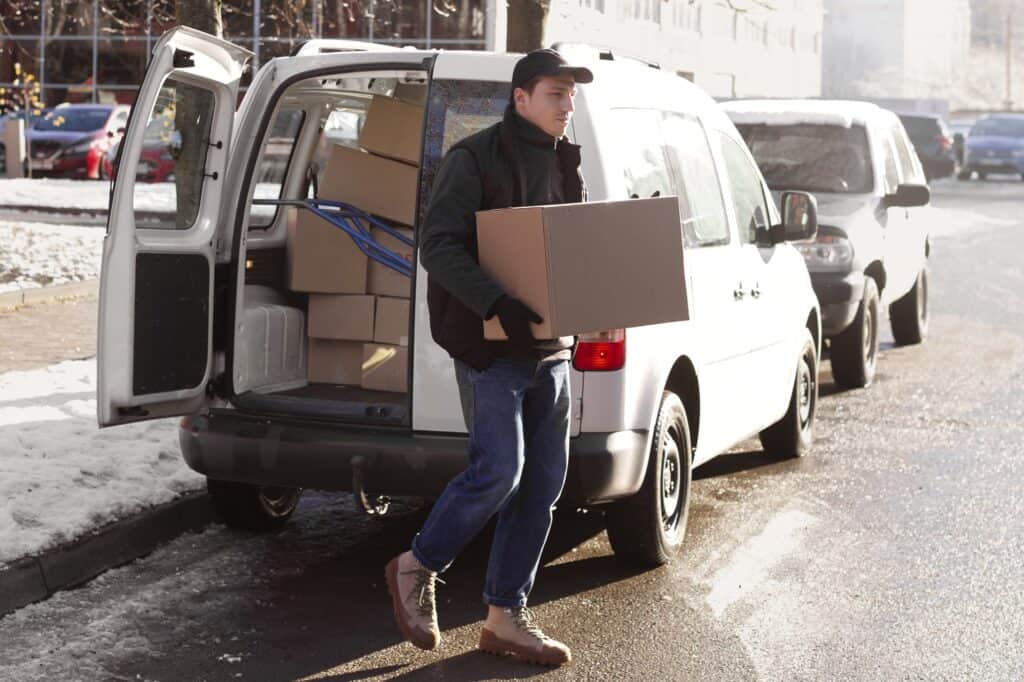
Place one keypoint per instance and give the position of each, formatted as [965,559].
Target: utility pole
[1009,55]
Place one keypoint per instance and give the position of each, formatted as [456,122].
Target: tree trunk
[526,24]
[188,168]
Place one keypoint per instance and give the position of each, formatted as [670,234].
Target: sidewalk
[76,500]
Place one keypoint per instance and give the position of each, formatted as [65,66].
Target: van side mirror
[799,218]
[909,195]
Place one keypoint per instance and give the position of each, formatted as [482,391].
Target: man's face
[550,105]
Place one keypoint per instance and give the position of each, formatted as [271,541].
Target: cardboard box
[322,258]
[385,368]
[382,280]
[393,129]
[391,324]
[377,185]
[587,267]
[335,362]
[342,317]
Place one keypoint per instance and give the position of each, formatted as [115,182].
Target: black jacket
[511,163]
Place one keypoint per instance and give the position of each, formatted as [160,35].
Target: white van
[197,319]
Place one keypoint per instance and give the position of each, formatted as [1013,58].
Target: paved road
[893,551]
[43,334]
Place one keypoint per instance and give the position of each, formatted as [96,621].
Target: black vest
[502,173]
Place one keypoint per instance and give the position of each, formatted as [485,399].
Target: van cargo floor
[331,401]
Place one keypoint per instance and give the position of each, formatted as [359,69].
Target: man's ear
[519,96]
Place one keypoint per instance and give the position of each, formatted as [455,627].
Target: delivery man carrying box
[515,393]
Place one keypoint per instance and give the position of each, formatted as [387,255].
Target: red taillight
[944,141]
[601,351]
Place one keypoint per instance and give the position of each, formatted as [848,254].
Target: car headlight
[826,252]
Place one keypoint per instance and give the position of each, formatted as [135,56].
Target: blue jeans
[517,414]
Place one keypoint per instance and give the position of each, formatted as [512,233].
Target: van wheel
[855,349]
[908,315]
[253,507]
[793,435]
[647,528]
[963,175]
[982,176]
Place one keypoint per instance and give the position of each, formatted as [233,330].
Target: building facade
[743,48]
[909,49]
[98,50]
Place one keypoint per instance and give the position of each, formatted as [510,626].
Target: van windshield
[812,157]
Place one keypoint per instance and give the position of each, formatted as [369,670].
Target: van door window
[701,206]
[904,152]
[274,163]
[892,174]
[747,192]
[174,148]
[643,153]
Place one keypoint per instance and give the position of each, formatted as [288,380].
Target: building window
[597,5]
[640,10]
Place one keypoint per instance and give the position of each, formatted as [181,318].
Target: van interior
[324,330]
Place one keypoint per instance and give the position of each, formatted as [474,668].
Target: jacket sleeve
[447,229]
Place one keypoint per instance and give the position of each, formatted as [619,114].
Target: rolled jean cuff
[505,603]
[425,562]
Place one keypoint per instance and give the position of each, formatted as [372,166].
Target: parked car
[872,245]
[198,321]
[157,160]
[995,145]
[71,140]
[933,141]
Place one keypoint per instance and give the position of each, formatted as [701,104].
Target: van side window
[177,134]
[643,153]
[272,167]
[701,206]
[892,174]
[747,192]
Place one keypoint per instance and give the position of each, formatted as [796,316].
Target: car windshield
[1001,127]
[812,157]
[74,120]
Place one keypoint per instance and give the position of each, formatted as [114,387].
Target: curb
[13,300]
[36,578]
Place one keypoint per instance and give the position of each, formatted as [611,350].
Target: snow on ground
[40,254]
[60,476]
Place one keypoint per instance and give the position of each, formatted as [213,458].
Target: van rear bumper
[236,447]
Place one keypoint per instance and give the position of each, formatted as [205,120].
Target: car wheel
[908,315]
[793,435]
[855,349]
[963,175]
[253,507]
[647,528]
[982,176]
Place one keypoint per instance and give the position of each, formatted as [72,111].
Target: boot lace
[525,621]
[424,589]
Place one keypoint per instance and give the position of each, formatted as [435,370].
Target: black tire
[854,351]
[253,507]
[793,435]
[908,315]
[647,528]
[963,175]
[982,176]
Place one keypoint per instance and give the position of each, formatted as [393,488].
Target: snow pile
[39,254]
[60,476]
[796,112]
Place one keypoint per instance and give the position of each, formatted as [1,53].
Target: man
[515,393]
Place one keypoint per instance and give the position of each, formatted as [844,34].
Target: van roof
[782,112]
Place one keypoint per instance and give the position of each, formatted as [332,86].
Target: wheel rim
[870,332]
[805,393]
[278,501]
[671,481]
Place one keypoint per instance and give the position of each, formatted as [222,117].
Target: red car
[72,139]
[156,164]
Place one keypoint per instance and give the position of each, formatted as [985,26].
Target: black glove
[515,317]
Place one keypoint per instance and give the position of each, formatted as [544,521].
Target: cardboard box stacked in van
[358,308]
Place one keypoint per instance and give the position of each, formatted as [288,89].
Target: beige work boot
[515,632]
[412,595]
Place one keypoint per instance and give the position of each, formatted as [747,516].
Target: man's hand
[515,317]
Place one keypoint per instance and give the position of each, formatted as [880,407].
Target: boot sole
[492,644]
[414,636]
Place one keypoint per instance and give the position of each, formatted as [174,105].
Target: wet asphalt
[893,551]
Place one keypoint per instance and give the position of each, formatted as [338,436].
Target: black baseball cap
[547,62]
